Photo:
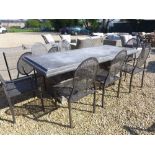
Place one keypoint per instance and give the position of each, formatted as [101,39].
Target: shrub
[33,23]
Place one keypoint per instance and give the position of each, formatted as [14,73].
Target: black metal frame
[111,74]
[14,88]
[137,65]
[7,66]
[82,84]
[29,78]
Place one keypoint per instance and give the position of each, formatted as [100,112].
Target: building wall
[10,24]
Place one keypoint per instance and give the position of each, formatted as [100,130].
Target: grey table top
[61,62]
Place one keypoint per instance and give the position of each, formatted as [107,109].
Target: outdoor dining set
[87,68]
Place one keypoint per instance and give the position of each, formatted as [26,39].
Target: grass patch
[23,30]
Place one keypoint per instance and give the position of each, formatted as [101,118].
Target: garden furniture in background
[48,38]
[68,39]
[38,49]
[88,42]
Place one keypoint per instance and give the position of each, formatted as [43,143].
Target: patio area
[132,113]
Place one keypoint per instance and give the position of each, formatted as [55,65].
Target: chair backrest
[84,78]
[53,49]
[64,45]
[66,37]
[89,42]
[117,63]
[48,38]
[23,67]
[38,49]
[132,43]
[10,61]
[143,55]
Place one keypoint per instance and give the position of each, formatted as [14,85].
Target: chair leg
[125,76]
[119,84]
[94,102]
[11,109]
[142,79]
[103,92]
[130,83]
[70,115]
[42,101]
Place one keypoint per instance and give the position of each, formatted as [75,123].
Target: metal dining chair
[138,66]
[132,43]
[82,84]
[106,78]
[20,86]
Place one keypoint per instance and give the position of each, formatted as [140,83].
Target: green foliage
[33,23]
[46,25]
[23,30]
[59,23]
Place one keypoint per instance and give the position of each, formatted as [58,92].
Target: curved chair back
[143,55]
[48,38]
[84,78]
[132,43]
[66,37]
[23,67]
[117,63]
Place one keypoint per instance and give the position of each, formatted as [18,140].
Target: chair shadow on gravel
[46,121]
[33,108]
[6,120]
[132,131]
[151,67]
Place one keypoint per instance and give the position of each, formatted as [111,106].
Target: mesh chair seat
[65,89]
[20,86]
[129,68]
[107,80]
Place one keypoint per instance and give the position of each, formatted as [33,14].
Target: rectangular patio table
[52,64]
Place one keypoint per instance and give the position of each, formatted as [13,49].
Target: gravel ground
[132,113]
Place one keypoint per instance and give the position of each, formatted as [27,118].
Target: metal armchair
[106,78]
[19,86]
[82,84]
[138,66]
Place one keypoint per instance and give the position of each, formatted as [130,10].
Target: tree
[105,25]
[92,24]
[33,23]
[60,23]
[46,25]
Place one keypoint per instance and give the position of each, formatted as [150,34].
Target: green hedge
[24,30]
